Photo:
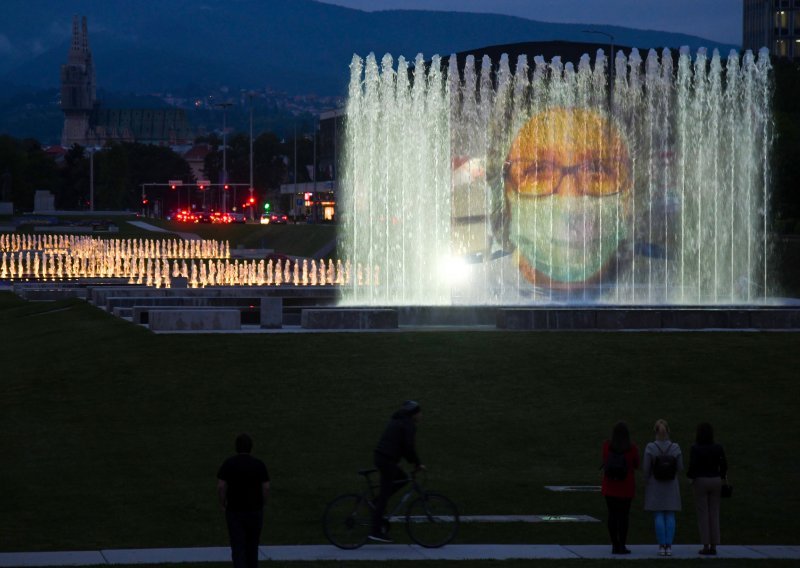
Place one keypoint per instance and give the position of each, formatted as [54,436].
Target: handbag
[726,492]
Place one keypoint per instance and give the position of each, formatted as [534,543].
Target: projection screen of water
[473,184]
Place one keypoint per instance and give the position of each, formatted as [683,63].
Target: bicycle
[431,519]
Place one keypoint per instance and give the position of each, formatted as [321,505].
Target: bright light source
[454,269]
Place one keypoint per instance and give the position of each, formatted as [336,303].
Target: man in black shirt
[243,487]
[397,442]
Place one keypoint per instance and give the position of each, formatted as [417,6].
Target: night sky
[720,20]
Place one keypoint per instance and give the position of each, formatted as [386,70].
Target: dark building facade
[774,24]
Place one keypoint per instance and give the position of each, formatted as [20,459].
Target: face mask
[566,238]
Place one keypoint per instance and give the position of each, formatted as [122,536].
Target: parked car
[202,217]
[276,256]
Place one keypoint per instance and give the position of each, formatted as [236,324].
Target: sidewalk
[375,552]
[153,228]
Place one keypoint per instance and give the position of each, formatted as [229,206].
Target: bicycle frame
[413,489]
[430,518]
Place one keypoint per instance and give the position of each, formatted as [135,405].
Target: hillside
[298,46]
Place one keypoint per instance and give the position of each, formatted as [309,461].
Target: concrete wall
[337,318]
[195,320]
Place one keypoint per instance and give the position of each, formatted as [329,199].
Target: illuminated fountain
[154,263]
[476,184]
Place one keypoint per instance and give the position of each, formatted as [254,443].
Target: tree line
[120,169]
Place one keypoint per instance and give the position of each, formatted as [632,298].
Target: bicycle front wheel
[347,521]
[432,520]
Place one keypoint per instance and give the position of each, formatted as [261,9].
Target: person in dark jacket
[243,487]
[708,468]
[396,443]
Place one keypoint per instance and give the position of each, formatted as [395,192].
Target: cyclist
[397,442]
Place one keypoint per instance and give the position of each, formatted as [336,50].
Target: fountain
[153,263]
[477,185]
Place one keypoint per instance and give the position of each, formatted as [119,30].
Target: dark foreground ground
[111,436]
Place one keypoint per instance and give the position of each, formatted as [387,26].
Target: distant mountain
[298,46]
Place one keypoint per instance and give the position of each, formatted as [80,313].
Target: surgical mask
[568,238]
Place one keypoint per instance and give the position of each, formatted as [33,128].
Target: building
[315,200]
[88,123]
[774,24]
[78,88]
[196,158]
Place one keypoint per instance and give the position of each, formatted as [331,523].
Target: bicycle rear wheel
[347,521]
[432,520]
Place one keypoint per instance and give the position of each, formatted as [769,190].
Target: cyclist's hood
[401,415]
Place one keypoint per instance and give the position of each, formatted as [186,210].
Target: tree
[73,192]
[25,168]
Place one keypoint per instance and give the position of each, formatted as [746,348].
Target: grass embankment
[125,229]
[111,436]
[567,563]
[295,240]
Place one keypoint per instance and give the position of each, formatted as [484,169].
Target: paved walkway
[153,228]
[377,552]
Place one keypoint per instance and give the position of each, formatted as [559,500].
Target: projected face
[567,185]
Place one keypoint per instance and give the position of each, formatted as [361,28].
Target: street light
[251,94]
[91,177]
[224,107]
[611,64]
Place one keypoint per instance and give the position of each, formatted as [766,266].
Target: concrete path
[377,552]
[153,228]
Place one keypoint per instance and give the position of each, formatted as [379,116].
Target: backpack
[616,467]
[665,465]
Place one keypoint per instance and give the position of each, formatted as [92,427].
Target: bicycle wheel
[347,521]
[432,520]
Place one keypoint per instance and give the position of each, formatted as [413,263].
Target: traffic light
[201,187]
[145,201]
[225,187]
[266,206]
[173,186]
[251,200]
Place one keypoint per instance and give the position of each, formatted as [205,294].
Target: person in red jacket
[620,461]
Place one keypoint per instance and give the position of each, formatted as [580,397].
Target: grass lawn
[569,563]
[126,230]
[111,436]
[296,240]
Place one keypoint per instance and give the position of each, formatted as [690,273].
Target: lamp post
[251,94]
[224,107]
[611,65]
[294,165]
[91,180]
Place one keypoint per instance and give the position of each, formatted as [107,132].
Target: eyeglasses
[533,178]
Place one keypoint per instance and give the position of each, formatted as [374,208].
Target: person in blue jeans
[662,494]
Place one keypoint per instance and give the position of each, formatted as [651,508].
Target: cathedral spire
[78,93]
[76,37]
[84,36]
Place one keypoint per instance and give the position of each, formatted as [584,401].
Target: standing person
[662,495]
[397,442]
[243,487]
[708,468]
[620,460]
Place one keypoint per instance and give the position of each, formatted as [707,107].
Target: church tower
[78,91]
